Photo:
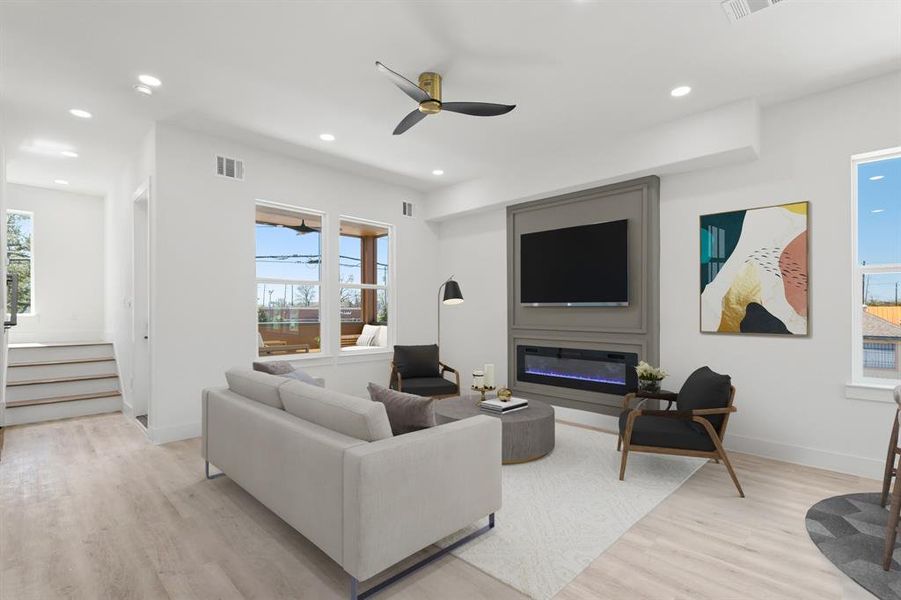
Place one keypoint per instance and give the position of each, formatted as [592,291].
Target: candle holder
[482,389]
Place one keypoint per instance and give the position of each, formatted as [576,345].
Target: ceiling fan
[428,95]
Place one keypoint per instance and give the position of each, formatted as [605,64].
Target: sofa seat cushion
[254,385]
[355,417]
[429,386]
[406,412]
[666,432]
[416,361]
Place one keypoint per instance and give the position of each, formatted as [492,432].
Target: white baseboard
[810,457]
[127,409]
[174,433]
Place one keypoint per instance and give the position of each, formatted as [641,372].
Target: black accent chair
[417,370]
[695,428]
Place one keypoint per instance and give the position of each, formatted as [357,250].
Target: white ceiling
[580,73]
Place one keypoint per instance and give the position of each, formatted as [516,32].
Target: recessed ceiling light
[150,80]
[143,89]
[877,177]
[69,154]
[877,210]
[60,182]
[438,172]
[682,90]
[80,113]
[326,137]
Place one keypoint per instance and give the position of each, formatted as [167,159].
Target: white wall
[791,399]
[119,216]
[790,391]
[68,276]
[203,315]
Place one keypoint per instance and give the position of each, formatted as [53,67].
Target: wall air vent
[739,9]
[408,209]
[232,168]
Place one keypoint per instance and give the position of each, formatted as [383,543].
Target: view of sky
[879,224]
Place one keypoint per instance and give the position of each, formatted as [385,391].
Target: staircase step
[69,361]
[62,379]
[55,399]
[19,353]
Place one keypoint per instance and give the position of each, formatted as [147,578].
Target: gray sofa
[328,465]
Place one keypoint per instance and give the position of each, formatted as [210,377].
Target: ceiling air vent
[232,168]
[408,209]
[739,9]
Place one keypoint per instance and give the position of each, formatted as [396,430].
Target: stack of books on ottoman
[499,407]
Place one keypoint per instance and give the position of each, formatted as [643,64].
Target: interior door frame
[142,196]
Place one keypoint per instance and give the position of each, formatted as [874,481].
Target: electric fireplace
[593,370]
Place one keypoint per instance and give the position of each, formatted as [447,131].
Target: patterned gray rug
[850,531]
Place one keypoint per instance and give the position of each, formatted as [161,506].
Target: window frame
[32,310]
[390,288]
[858,271]
[322,283]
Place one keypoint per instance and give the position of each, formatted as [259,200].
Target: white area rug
[561,512]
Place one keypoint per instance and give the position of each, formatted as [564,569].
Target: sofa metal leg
[206,470]
[355,594]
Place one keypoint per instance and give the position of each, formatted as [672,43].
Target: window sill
[367,355]
[871,391]
[314,358]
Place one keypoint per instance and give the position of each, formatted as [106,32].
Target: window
[288,276]
[363,272]
[877,277]
[19,255]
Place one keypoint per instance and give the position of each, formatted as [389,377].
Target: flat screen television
[586,265]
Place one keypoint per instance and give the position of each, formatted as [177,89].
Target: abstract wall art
[754,271]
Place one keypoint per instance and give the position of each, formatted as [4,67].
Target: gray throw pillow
[406,412]
[301,375]
[274,367]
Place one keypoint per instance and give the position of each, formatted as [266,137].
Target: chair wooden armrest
[445,369]
[659,395]
[395,378]
[687,415]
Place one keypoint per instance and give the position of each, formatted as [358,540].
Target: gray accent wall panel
[633,328]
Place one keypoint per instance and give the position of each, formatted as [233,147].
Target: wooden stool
[891,527]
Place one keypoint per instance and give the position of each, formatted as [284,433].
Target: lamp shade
[452,293]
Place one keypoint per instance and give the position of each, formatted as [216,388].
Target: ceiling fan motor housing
[430,83]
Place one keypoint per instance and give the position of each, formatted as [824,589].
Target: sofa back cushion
[261,387]
[287,369]
[417,361]
[705,389]
[355,417]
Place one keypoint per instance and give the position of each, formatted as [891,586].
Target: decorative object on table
[406,412]
[649,377]
[754,274]
[478,383]
[695,428]
[452,296]
[850,531]
[503,407]
[489,375]
[504,394]
[417,370]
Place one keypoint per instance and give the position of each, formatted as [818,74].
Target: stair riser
[67,388]
[42,353]
[15,374]
[62,410]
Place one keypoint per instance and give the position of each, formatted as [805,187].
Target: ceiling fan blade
[406,86]
[478,109]
[409,121]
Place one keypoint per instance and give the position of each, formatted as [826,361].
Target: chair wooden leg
[732,474]
[622,467]
[891,528]
[890,461]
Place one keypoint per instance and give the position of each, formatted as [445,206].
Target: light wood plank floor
[90,509]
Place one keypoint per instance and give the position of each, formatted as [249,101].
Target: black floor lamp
[452,295]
